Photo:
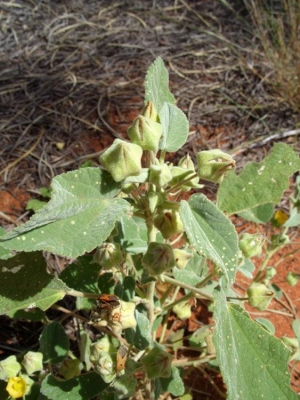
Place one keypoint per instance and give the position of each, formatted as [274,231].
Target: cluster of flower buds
[123,159]
[103,355]
[19,384]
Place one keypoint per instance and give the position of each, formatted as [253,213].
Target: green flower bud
[122,159]
[32,362]
[279,240]
[292,278]
[158,258]
[70,368]
[127,314]
[102,345]
[9,368]
[157,363]
[251,245]
[149,111]
[187,163]
[181,257]
[168,220]
[160,174]
[154,199]
[127,188]
[108,255]
[183,310]
[119,317]
[106,367]
[270,273]
[214,164]
[180,174]
[259,296]
[145,132]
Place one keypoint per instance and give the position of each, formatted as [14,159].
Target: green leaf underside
[85,387]
[132,234]
[82,276]
[25,283]
[157,85]
[253,362]
[212,233]
[175,128]
[173,384]
[54,343]
[80,215]
[192,273]
[4,253]
[139,336]
[259,183]
[260,214]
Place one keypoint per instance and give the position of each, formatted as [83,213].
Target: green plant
[126,230]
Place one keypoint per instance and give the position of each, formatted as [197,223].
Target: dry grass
[278,31]
[72,72]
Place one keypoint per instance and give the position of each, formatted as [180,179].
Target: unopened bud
[9,368]
[270,273]
[181,258]
[145,132]
[149,111]
[70,368]
[154,199]
[32,362]
[183,310]
[158,258]
[187,163]
[102,345]
[214,164]
[292,278]
[106,367]
[108,255]
[180,175]
[168,220]
[251,245]
[259,296]
[157,363]
[122,159]
[160,174]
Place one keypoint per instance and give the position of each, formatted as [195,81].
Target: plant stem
[269,255]
[166,317]
[200,293]
[180,184]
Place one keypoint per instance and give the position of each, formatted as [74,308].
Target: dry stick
[262,142]
[15,162]
[115,133]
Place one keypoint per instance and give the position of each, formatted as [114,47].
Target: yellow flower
[16,387]
[280,217]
